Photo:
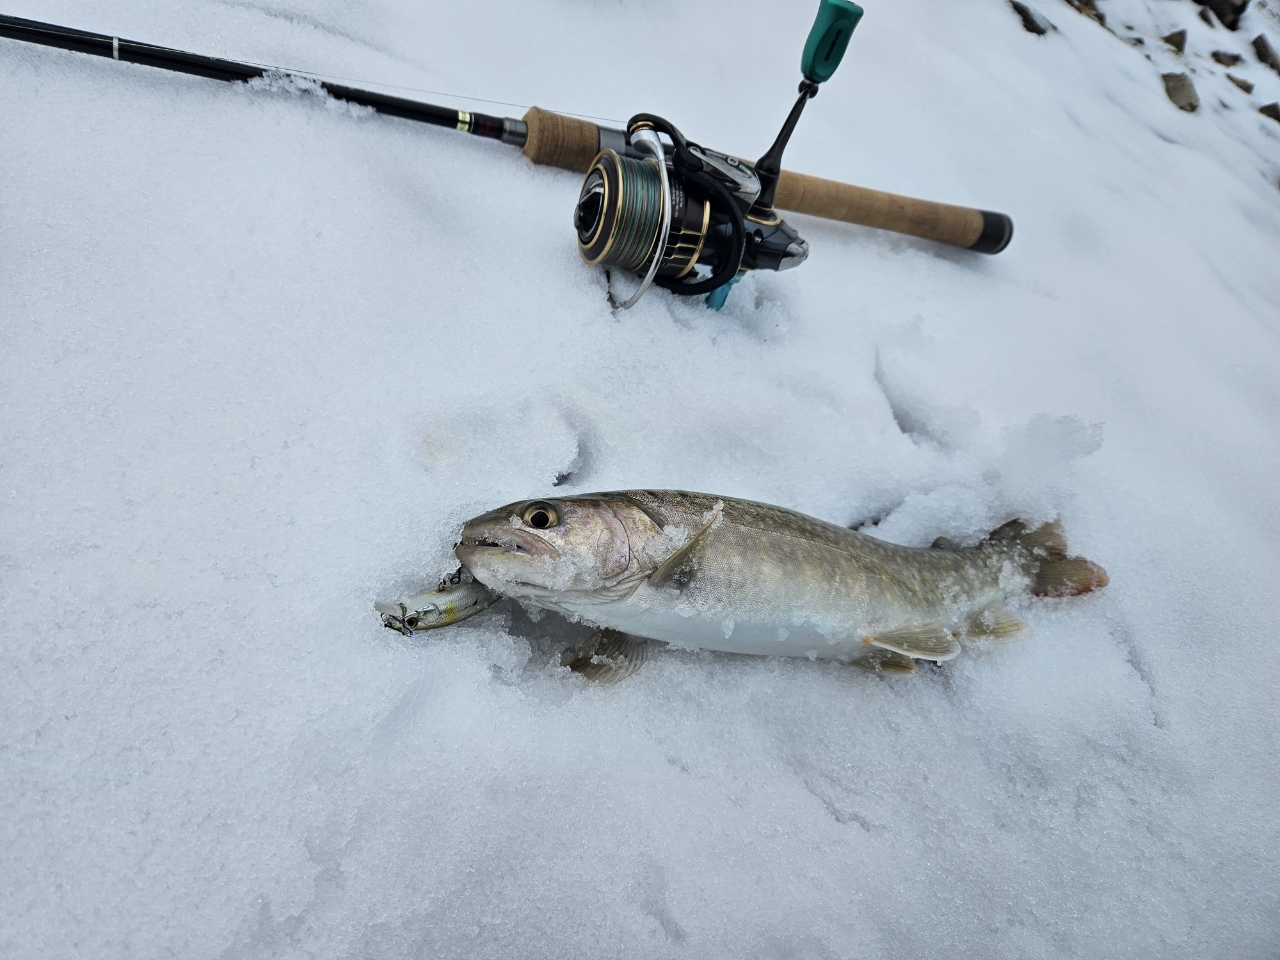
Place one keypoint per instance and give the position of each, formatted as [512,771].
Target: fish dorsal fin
[608,656]
[887,661]
[679,569]
[996,622]
[924,641]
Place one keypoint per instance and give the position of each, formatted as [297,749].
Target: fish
[708,572]
[458,596]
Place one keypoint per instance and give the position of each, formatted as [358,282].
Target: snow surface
[263,353]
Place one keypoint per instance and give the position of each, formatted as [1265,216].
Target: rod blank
[179,61]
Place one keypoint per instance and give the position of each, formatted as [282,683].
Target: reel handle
[828,38]
[572,144]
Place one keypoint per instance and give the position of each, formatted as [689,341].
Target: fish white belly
[686,626]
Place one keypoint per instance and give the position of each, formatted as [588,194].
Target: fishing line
[164,782]
[637,227]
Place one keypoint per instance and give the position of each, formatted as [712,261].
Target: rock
[1244,85]
[1206,16]
[1090,9]
[1228,11]
[1226,59]
[1181,91]
[1262,47]
[1031,20]
[1177,40]
[1271,110]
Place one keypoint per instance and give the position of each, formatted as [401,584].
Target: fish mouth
[506,559]
[513,544]
[482,542]
[486,542]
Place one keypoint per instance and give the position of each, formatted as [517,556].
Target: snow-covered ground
[262,354]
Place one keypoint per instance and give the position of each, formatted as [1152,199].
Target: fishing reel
[691,219]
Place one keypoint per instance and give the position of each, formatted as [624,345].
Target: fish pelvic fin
[1055,574]
[923,641]
[678,570]
[608,656]
[888,662]
[996,622]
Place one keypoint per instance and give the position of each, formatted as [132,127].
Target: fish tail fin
[1054,572]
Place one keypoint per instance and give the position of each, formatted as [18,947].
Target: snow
[263,354]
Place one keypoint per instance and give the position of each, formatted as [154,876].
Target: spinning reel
[694,220]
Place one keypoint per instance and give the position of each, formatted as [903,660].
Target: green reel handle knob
[828,39]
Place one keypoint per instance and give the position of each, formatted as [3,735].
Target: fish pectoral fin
[996,622]
[678,570]
[887,661]
[608,656]
[924,641]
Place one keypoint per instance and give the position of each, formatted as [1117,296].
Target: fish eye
[540,515]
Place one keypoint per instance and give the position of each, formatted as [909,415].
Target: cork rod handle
[560,141]
[571,144]
[979,230]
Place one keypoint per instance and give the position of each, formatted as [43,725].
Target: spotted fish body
[718,573]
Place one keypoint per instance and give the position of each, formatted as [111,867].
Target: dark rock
[1090,9]
[1177,40]
[1228,11]
[1244,85]
[1206,16]
[1032,21]
[1271,110]
[1181,91]
[1226,59]
[1135,41]
[1262,47]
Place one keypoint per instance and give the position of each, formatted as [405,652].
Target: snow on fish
[717,573]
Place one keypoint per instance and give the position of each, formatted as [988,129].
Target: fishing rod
[659,206]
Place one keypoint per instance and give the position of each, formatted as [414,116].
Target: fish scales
[823,586]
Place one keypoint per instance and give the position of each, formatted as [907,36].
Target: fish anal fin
[678,570]
[923,641]
[608,656]
[887,661]
[996,622]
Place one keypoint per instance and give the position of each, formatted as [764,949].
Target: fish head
[560,550]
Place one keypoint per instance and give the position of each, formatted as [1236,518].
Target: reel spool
[692,219]
[619,213]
